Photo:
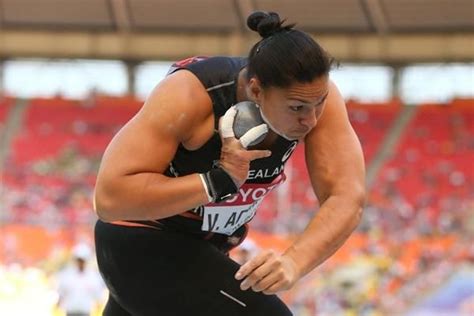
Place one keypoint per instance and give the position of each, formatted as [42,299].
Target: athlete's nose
[309,120]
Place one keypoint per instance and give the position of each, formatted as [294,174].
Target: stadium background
[411,255]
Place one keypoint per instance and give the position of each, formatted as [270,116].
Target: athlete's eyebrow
[298,99]
[306,101]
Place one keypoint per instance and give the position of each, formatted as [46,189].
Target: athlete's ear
[254,90]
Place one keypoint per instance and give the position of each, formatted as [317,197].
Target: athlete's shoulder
[211,71]
[179,100]
[226,61]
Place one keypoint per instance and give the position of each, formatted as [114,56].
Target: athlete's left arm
[336,167]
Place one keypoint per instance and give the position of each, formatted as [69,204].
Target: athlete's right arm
[130,183]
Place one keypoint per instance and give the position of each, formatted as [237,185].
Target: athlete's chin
[295,135]
[292,135]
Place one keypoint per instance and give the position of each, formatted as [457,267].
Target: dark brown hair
[284,55]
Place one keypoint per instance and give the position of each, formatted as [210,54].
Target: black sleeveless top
[228,218]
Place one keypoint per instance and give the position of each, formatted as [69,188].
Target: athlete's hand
[268,272]
[235,158]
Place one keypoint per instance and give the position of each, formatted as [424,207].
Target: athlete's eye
[296,108]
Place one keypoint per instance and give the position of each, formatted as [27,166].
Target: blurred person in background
[176,189]
[80,287]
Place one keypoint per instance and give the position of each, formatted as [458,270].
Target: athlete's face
[291,112]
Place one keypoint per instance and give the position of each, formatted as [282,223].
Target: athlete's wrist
[292,255]
[219,185]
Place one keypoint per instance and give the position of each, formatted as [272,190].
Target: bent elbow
[105,216]
[104,208]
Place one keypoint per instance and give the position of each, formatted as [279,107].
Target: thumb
[226,123]
[258,154]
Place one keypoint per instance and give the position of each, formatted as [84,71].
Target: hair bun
[265,23]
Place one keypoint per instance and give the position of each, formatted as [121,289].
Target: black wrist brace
[220,184]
